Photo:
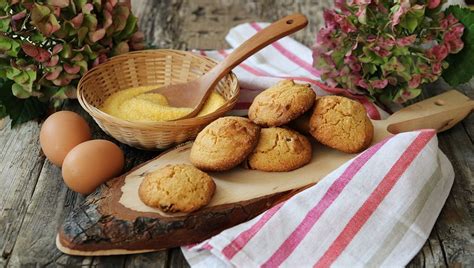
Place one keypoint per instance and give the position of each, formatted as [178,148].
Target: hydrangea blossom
[386,49]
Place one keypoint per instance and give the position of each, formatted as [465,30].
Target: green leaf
[66,52]
[14,49]
[409,22]
[4,24]
[20,92]
[19,110]
[59,3]
[129,29]
[369,68]
[22,78]
[413,18]
[98,5]
[4,4]
[400,51]
[5,43]
[12,73]
[39,12]
[83,65]
[37,37]
[9,46]
[81,34]
[460,69]
[338,57]
[80,3]
[90,21]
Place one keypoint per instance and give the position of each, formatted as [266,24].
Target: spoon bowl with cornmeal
[193,94]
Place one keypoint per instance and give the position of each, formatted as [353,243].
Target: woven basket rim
[178,124]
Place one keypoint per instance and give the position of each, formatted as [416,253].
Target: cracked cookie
[341,123]
[281,103]
[224,143]
[177,188]
[280,149]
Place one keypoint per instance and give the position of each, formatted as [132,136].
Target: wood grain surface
[34,201]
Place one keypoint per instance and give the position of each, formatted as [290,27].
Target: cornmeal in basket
[135,104]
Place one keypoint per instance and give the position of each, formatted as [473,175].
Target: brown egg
[90,164]
[61,132]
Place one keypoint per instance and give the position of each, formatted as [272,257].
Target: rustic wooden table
[34,200]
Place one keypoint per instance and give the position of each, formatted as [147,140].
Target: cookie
[341,123]
[280,149]
[224,143]
[177,188]
[281,103]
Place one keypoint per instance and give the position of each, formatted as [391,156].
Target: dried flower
[47,45]
[386,49]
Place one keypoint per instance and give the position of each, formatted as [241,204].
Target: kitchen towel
[375,210]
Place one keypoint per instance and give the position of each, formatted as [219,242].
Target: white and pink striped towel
[375,210]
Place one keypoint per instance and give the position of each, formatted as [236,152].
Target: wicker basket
[150,67]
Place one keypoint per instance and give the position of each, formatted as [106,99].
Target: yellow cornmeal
[134,104]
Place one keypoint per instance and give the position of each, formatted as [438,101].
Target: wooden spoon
[194,93]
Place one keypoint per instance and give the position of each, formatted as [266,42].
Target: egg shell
[90,164]
[61,132]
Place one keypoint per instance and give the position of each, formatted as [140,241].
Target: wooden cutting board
[113,220]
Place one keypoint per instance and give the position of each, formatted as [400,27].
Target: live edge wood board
[113,220]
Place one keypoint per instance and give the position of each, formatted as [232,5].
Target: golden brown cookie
[177,188]
[281,103]
[224,143]
[341,123]
[280,149]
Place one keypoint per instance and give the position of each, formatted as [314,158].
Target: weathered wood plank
[177,259]
[313,9]
[158,259]
[205,23]
[159,21]
[193,24]
[20,166]
[50,202]
[452,235]
[431,254]
[455,225]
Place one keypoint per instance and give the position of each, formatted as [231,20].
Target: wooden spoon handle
[263,38]
[440,112]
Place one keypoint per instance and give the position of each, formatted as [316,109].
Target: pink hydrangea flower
[404,7]
[330,20]
[344,23]
[362,83]
[369,47]
[407,40]
[379,83]
[414,81]
[437,68]
[453,40]
[439,52]
[433,4]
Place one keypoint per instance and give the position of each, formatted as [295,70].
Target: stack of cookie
[262,142]
[259,141]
